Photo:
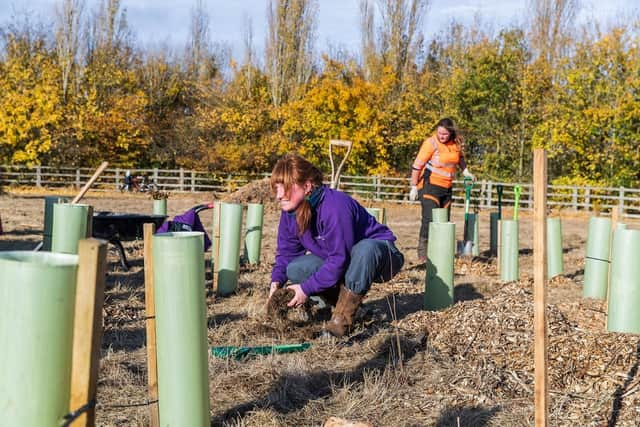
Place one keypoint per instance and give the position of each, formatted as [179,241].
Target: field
[469,365]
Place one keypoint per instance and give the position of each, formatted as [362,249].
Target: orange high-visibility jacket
[440,159]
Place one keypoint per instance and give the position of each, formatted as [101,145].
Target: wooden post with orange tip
[150,311]
[87,330]
[539,286]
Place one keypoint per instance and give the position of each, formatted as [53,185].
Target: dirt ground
[469,365]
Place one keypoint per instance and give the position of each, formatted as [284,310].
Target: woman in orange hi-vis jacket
[432,175]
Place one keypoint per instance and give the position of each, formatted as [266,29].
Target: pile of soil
[258,191]
[277,306]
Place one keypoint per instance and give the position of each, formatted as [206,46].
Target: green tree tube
[70,224]
[229,252]
[438,293]
[474,231]
[494,217]
[160,207]
[596,263]
[624,295]
[253,238]
[555,263]
[49,201]
[509,250]
[37,299]
[181,329]
[440,215]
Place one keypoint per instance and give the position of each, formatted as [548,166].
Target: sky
[160,22]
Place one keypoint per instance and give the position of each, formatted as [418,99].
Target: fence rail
[484,194]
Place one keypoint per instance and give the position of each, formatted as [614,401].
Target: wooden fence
[484,194]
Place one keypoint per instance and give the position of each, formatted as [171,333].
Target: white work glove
[468,174]
[413,193]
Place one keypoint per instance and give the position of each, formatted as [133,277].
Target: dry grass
[469,365]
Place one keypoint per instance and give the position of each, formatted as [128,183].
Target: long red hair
[295,169]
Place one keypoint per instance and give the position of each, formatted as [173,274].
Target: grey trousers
[371,261]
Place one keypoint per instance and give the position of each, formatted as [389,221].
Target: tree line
[80,89]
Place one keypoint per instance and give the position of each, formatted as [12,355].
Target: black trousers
[432,196]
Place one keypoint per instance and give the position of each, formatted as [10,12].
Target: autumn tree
[68,29]
[30,103]
[289,51]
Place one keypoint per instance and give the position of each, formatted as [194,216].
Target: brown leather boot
[342,317]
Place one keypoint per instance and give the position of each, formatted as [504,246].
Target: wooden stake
[215,250]
[87,328]
[615,218]
[539,286]
[150,310]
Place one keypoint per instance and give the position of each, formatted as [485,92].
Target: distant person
[128,181]
[328,245]
[432,175]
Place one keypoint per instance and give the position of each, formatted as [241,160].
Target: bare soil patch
[469,365]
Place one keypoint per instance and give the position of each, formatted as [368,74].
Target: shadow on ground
[293,391]
[476,416]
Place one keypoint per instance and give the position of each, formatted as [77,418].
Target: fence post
[77,178]
[587,198]
[489,191]
[621,200]
[377,181]
[181,183]
[530,197]
[229,183]
[117,178]
[38,177]
[193,181]
[155,177]
[574,198]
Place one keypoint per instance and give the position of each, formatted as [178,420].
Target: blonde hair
[295,169]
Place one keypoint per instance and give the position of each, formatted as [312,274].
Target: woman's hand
[299,298]
[273,287]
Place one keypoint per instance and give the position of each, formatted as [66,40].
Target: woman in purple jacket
[328,244]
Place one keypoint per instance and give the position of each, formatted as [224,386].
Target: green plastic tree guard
[440,215]
[70,224]
[49,201]
[160,207]
[37,299]
[509,250]
[474,230]
[624,295]
[596,263]
[253,238]
[555,263]
[229,252]
[181,329]
[438,293]
[494,217]
[379,214]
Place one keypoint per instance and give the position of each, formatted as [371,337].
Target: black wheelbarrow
[116,227]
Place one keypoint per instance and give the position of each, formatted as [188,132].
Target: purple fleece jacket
[339,223]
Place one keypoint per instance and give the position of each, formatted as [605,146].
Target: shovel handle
[499,189]
[89,183]
[335,173]
[517,190]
